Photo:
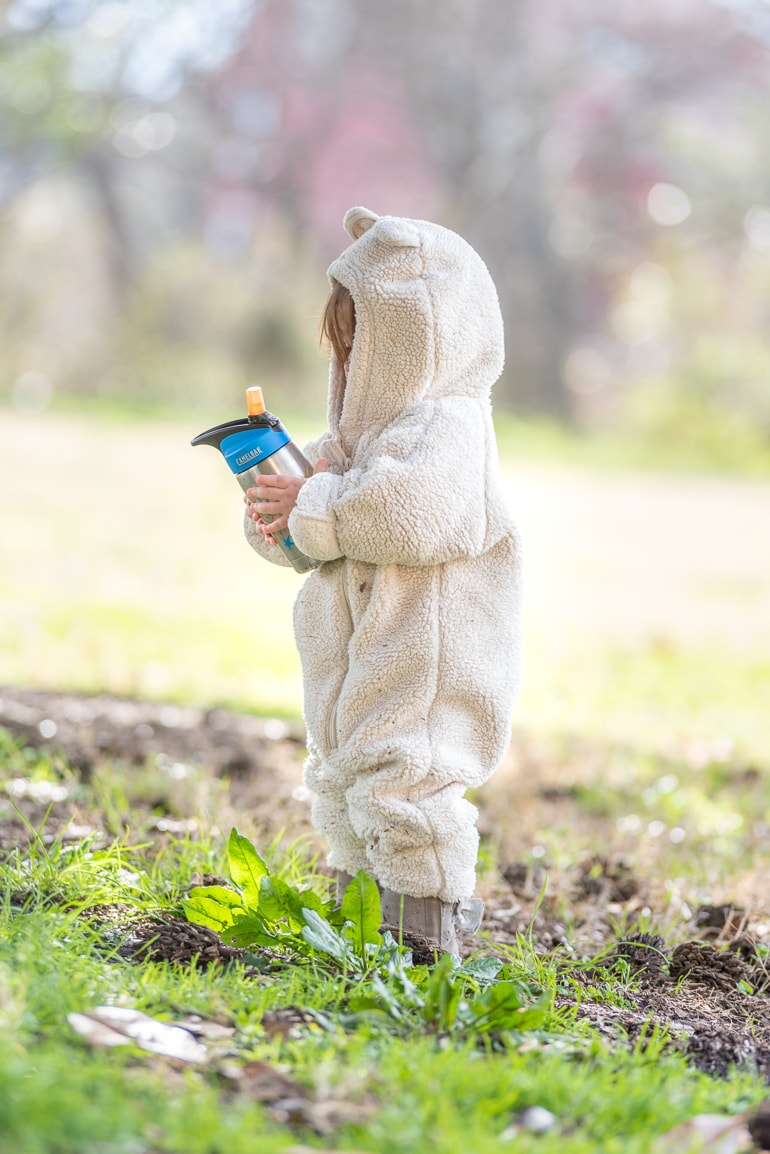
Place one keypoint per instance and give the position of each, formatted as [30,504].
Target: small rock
[537,1119]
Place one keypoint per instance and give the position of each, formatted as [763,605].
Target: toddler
[409,629]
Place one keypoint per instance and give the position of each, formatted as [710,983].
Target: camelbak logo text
[248,456]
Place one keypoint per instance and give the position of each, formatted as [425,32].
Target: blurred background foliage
[173,175]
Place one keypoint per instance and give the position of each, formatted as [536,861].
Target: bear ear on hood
[393,230]
[358,221]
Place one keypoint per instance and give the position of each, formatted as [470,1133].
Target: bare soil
[712,991]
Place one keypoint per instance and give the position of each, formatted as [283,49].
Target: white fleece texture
[409,632]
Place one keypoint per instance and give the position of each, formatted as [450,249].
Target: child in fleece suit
[409,629]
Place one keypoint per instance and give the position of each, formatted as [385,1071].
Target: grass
[419,1070]
[690,440]
[714,446]
[644,707]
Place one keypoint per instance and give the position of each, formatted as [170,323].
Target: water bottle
[259,444]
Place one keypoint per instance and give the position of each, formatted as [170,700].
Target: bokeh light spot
[668,204]
[148,133]
[757,228]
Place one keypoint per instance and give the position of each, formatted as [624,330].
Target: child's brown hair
[338,324]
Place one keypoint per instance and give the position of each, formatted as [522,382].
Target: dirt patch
[89,730]
[715,1028]
[173,758]
[710,992]
[712,999]
[160,938]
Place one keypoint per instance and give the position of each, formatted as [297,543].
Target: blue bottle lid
[245,449]
[245,442]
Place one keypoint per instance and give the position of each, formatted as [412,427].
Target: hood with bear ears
[428,323]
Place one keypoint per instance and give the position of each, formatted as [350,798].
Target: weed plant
[402,1056]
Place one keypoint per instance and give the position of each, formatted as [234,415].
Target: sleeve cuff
[313,523]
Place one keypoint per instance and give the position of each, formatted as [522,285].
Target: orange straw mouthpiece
[255,405]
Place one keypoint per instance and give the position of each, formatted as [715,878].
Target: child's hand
[276,496]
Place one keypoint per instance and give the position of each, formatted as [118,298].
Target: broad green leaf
[506,1007]
[222,894]
[398,963]
[528,1017]
[382,998]
[277,900]
[361,1004]
[393,957]
[442,995]
[482,969]
[213,906]
[330,912]
[361,907]
[311,901]
[249,930]
[247,868]
[320,935]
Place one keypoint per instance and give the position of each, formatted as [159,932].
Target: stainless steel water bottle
[259,444]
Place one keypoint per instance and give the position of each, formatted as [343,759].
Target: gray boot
[429,918]
[343,881]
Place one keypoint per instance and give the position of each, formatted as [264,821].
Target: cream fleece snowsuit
[409,632]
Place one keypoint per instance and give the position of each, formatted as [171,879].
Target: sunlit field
[124,569]
[633,799]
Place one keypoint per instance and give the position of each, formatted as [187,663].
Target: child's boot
[343,881]
[426,918]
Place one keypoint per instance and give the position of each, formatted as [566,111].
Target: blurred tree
[538,128]
[102,135]
[484,82]
[84,86]
[551,121]
[609,161]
